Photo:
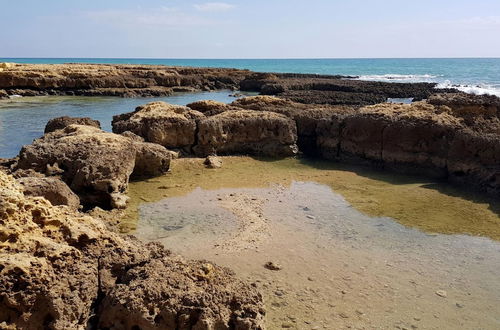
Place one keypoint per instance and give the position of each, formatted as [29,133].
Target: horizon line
[256,58]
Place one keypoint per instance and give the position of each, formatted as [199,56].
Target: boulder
[60,269]
[62,122]
[95,164]
[52,189]
[247,132]
[171,126]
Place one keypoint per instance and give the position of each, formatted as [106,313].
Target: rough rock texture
[62,122]
[213,162]
[96,165]
[247,132]
[52,189]
[172,126]
[335,90]
[60,269]
[452,136]
[149,80]
[305,116]
[417,138]
[114,80]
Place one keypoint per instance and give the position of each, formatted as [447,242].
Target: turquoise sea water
[23,119]
[474,75]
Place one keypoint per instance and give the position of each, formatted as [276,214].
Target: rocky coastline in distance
[45,238]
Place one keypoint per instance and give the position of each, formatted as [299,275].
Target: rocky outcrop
[246,132]
[335,90]
[114,80]
[224,129]
[52,189]
[96,165]
[154,81]
[62,122]
[172,126]
[418,138]
[60,269]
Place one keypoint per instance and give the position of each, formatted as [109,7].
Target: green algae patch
[428,205]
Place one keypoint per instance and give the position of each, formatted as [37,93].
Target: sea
[24,119]
[471,75]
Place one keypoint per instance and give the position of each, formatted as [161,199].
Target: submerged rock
[64,270]
[96,165]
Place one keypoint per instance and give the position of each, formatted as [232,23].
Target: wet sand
[339,266]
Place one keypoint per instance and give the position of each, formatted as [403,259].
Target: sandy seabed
[339,265]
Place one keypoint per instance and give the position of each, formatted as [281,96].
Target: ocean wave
[477,89]
[399,77]
[472,89]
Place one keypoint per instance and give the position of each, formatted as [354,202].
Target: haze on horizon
[250,29]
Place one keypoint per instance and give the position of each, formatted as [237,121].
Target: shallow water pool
[23,119]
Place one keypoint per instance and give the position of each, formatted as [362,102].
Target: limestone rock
[96,164]
[64,270]
[52,189]
[62,122]
[247,132]
[171,126]
[213,162]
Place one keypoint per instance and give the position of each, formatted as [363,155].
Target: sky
[250,29]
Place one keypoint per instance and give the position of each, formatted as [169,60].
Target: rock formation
[96,165]
[246,132]
[172,126]
[150,80]
[113,80]
[334,90]
[220,131]
[62,122]
[52,189]
[60,269]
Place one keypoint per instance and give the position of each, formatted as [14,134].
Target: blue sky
[250,29]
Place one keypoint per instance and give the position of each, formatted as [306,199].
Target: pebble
[272,266]
[441,293]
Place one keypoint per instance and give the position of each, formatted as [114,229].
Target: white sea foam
[479,89]
[472,89]
[399,77]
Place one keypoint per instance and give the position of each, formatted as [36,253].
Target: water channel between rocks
[343,261]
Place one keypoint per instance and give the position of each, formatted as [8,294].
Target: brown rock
[213,162]
[62,122]
[52,189]
[171,126]
[64,270]
[247,132]
[97,165]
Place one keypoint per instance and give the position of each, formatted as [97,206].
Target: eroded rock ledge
[450,136]
[60,269]
[150,80]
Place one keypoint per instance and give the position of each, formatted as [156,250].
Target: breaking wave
[399,77]
[478,89]
[472,89]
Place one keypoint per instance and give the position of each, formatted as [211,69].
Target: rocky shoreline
[48,245]
[149,81]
